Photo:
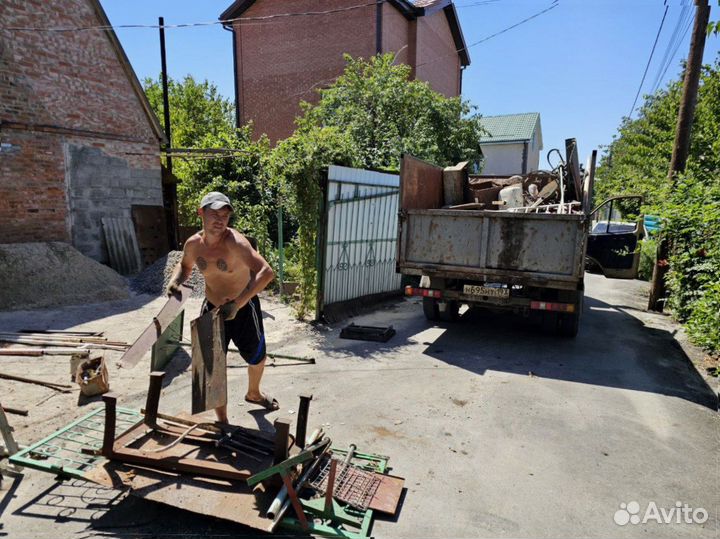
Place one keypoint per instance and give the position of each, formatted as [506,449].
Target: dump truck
[511,243]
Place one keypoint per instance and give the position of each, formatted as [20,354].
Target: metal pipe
[300,482]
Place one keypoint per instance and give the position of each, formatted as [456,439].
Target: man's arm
[261,274]
[182,270]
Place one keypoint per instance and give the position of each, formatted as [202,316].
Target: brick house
[280,61]
[78,139]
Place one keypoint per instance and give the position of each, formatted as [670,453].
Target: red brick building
[285,49]
[78,139]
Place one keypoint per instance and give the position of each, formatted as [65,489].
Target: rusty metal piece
[153,397]
[152,333]
[354,486]
[209,373]
[282,436]
[422,184]
[64,388]
[302,418]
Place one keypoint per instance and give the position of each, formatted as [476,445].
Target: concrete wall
[286,60]
[93,196]
[61,93]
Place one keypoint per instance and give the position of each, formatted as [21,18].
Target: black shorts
[245,330]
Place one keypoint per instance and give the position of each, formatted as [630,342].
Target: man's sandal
[266,402]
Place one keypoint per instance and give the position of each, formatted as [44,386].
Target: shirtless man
[234,274]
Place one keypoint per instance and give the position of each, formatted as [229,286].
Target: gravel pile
[37,275]
[154,278]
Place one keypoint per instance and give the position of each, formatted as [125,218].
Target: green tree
[385,114]
[202,119]
[637,161]
[368,118]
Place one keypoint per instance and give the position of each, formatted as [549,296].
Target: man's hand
[229,310]
[173,289]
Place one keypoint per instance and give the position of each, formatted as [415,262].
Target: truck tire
[568,325]
[430,309]
[451,312]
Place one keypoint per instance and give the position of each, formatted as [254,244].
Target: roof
[129,71]
[411,9]
[510,127]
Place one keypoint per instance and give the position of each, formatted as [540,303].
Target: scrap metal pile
[558,191]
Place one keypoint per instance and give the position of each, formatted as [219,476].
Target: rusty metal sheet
[122,245]
[209,373]
[387,496]
[152,333]
[228,500]
[421,186]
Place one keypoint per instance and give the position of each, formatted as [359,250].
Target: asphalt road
[499,429]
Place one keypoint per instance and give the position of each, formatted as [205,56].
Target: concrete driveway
[499,429]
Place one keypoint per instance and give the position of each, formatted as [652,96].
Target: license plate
[490,292]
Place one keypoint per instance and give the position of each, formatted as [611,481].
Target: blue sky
[579,65]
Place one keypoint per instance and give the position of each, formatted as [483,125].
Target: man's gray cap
[215,201]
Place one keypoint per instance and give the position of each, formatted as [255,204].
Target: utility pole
[169,185]
[681,147]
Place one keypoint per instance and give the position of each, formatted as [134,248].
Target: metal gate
[358,250]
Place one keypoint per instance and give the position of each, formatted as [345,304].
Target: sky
[579,64]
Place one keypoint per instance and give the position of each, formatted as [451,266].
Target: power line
[185,25]
[483,40]
[672,45]
[670,61]
[652,52]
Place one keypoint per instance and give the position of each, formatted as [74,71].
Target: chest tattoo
[222,265]
[201,263]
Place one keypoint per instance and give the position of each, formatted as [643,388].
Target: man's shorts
[245,330]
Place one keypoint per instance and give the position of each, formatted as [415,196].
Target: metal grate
[353,485]
[62,451]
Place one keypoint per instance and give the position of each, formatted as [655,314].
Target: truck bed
[544,250]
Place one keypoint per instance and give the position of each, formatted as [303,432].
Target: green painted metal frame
[165,347]
[366,461]
[61,452]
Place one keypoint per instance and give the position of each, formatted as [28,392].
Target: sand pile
[53,274]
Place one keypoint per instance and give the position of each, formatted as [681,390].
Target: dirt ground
[499,430]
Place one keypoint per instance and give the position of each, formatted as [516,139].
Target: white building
[512,145]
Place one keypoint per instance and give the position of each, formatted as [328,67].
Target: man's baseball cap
[215,201]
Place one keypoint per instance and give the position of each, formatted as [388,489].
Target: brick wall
[437,60]
[284,61]
[63,95]
[396,33]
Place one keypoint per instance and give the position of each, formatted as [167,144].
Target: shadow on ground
[612,349]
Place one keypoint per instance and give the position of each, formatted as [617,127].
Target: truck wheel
[430,309]
[451,312]
[568,324]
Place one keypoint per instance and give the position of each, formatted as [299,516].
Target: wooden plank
[209,372]
[421,184]
[157,327]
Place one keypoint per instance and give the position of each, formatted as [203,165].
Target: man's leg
[255,373]
[221,413]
